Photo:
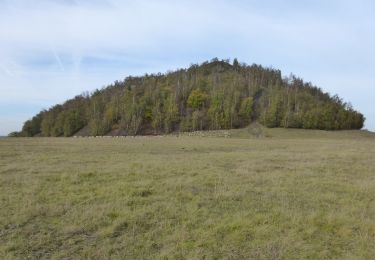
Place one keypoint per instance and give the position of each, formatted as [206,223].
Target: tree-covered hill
[213,95]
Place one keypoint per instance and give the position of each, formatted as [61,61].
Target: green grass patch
[261,194]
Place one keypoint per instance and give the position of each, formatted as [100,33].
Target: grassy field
[289,194]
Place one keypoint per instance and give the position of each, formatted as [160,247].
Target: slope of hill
[210,96]
[257,131]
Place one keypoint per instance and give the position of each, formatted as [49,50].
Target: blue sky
[53,50]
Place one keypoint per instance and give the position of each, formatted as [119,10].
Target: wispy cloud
[58,60]
[64,47]
[6,70]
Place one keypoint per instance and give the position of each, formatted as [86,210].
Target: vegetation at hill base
[211,96]
[261,193]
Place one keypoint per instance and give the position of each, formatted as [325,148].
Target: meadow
[267,194]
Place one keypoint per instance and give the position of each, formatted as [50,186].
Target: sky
[53,50]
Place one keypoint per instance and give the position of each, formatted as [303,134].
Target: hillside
[210,96]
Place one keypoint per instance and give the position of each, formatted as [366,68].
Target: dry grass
[289,194]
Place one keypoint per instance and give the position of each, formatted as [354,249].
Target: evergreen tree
[212,95]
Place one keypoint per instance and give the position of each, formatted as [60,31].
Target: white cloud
[53,50]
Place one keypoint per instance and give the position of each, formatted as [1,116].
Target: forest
[217,94]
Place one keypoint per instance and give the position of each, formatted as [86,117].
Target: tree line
[218,94]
